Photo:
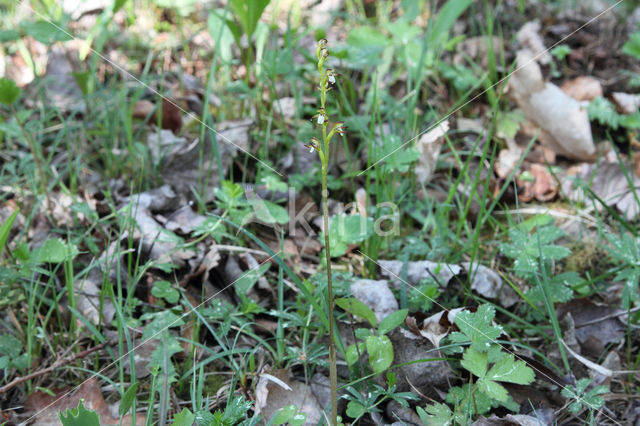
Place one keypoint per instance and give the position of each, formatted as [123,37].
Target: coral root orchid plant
[327,79]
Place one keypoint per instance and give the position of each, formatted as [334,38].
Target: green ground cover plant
[185,219]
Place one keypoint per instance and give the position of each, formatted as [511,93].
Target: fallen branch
[59,363]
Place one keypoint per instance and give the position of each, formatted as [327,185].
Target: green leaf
[380,350]
[46,32]
[5,228]
[8,35]
[438,414]
[248,279]
[475,362]
[632,46]
[10,345]
[512,371]
[54,251]
[221,33]
[351,229]
[287,414]
[358,309]
[392,320]
[248,13]
[477,328]
[184,418]
[9,92]
[447,15]
[351,356]
[161,321]
[164,290]
[127,399]
[355,409]
[79,417]
[269,212]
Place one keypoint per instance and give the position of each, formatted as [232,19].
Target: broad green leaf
[247,280]
[477,328]
[221,33]
[351,229]
[9,92]
[248,13]
[269,212]
[351,356]
[127,399]
[438,414]
[55,251]
[493,389]
[632,46]
[355,409]
[358,309]
[46,32]
[288,414]
[512,371]
[392,320]
[475,362]
[184,418]
[380,350]
[163,290]
[10,345]
[8,35]
[79,417]
[160,321]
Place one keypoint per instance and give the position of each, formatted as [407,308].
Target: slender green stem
[34,151]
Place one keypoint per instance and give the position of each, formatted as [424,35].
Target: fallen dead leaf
[529,37]
[564,120]
[543,188]
[625,102]
[583,88]
[429,146]
[46,407]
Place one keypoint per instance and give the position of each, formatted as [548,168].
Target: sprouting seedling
[321,146]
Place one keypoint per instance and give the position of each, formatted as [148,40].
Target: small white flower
[310,149]
[320,118]
[332,79]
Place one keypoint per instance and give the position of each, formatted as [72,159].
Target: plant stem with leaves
[327,78]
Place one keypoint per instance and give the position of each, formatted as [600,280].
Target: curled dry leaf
[529,37]
[429,146]
[543,187]
[563,118]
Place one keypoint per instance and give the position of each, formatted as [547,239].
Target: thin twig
[59,363]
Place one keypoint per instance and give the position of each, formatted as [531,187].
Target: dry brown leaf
[625,102]
[583,88]
[563,118]
[543,187]
[45,407]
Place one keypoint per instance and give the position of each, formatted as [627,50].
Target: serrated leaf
[475,362]
[184,418]
[438,414]
[512,371]
[493,389]
[357,308]
[163,290]
[79,416]
[477,327]
[380,350]
[392,321]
